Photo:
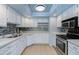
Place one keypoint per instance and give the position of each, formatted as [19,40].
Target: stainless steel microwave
[70,23]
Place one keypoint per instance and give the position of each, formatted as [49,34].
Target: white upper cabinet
[71,12]
[13,16]
[59,19]
[18,18]
[23,22]
[35,24]
[10,15]
[3,20]
[27,22]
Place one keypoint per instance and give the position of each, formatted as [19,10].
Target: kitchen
[39,29]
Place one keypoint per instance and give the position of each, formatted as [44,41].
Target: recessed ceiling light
[40,8]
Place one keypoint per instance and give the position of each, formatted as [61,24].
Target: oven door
[61,46]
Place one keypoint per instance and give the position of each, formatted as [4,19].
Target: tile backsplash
[10,29]
[61,30]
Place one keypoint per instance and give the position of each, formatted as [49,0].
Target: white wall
[52,30]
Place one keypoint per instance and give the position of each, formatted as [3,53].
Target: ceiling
[47,6]
[28,10]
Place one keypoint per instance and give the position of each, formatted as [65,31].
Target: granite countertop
[75,41]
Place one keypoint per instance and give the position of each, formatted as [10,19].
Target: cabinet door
[59,19]
[73,49]
[23,23]
[26,22]
[4,50]
[35,24]
[11,15]
[3,20]
[29,22]
[14,16]
[19,18]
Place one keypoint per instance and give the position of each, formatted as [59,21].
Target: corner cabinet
[3,20]
[14,48]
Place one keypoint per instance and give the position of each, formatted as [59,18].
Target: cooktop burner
[68,36]
[62,36]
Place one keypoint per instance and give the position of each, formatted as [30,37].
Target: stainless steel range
[61,44]
[72,27]
[62,40]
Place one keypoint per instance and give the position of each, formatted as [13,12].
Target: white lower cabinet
[73,49]
[14,48]
[4,50]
